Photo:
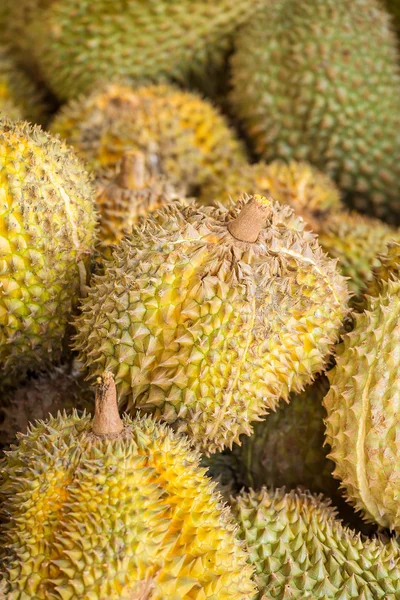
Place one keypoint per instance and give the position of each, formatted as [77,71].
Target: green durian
[287,448]
[208,317]
[77,43]
[180,133]
[47,232]
[62,388]
[363,406]
[304,90]
[116,509]
[301,550]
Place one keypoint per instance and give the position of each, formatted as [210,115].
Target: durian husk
[208,332]
[181,134]
[116,509]
[301,550]
[363,410]
[387,269]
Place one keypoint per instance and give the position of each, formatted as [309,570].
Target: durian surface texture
[79,43]
[208,332]
[300,550]
[363,406]
[305,91]
[181,133]
[93,517]
[47,232]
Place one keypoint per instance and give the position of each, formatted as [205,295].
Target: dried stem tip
[106,422]
[251,219]
[132,175]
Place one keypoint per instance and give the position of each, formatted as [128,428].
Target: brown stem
[132,175]
[251,219]
[106,422]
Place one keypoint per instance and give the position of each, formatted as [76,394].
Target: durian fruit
[308,191]
[223,468]
[357,242]
[180,133]
[304,90]
[116,509]
[62,388]
[287,448]
[363,406]
[301,550]
[387,269]
[126,193]
[47,231]
[19,97]
[207,318]
[77,44]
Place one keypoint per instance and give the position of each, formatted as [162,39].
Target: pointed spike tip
[106,422]
[251,219]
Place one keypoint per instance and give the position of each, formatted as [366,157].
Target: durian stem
[132,175]
[107,422]
[251,220]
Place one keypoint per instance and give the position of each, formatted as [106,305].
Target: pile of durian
[199,300]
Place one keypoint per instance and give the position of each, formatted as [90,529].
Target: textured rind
[89,518]
[363,406]
[286,449]
[19,97]
[60,389]
[47,231]
[304,91]
[206,332]
[184,135]
[120,208]
[308,191]
[388,268]
[357,242]
[300,550]
[223,468]
[77,44]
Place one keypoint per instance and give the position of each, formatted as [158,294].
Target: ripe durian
[305,91]
[308,191]
[286,449]
[179,132]
[47,231]
[115,509]
[363,406]
[77,44]
[207,318]
[387,269]
[301,550]
[19,97]
[127,193]
[46,393]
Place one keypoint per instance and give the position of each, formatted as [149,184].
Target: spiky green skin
[79,44]
[300,550]
[94,518]
[286,449]
[48,393]
[207,332]
[47,232]
[305,91]
[363,407]
[181,133]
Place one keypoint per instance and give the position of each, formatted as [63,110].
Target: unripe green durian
[62,388]
[127,193]
[208,317]
[179,132]
[287,448]
[47,232]
[305,91]
[301,550]
[116,509]
[363,406]
[77,43]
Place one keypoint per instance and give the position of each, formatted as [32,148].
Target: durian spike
[132,175]
[251,219]
[107,422]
